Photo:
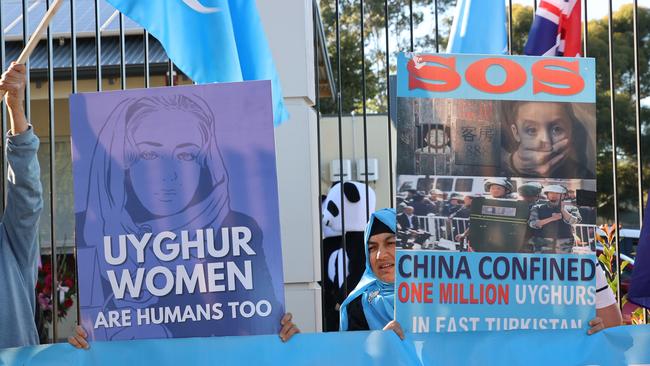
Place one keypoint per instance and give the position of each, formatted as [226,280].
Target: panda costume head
[356,212]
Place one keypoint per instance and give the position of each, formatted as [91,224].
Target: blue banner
[615,346]
[548,79]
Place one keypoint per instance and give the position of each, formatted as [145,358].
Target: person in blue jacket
[19,228]
[371,305]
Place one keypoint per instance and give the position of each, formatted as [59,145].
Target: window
[464,184]
[445,184]
[425,184]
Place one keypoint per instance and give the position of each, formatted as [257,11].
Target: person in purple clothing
[18,230]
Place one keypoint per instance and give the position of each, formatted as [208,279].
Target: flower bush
[66,288]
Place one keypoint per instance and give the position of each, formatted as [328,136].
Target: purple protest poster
[176,201]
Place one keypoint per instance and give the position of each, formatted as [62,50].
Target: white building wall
[352,130]
[289,29]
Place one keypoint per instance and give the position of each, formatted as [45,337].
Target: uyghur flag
[211,40]
[479,26]
[556,29]
[639,292]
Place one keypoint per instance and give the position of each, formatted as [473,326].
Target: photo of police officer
[553,222]
[498,188]
[512,215]
[530,192]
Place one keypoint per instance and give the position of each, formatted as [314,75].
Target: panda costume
[337,266]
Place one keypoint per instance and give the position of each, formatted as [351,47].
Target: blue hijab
[378,297]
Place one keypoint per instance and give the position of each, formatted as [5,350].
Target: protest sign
[176,202]
[496,179]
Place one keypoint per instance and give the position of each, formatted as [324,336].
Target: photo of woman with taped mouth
[548,140]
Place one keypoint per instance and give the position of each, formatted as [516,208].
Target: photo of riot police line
[496,138]
[496,214]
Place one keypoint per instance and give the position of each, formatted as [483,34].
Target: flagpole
[36,36]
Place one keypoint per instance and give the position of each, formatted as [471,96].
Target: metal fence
[92,47]
[363,32]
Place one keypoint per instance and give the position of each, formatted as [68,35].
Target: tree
[374,46]
[625,99]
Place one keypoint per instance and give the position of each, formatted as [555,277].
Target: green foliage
[374,44]
[625,103]
[608,257]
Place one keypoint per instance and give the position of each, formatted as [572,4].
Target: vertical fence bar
[585,26]
[390,130]
[435,11]
[3,61]
[146,59]
[612,101]
[411,24]
[339,96]
[122,54]
[637,106]
[74,74]
[363,96]
[510,27]
[323,270]
[170,71]
[73,46]
[50,108]
[98,47]
[28,92]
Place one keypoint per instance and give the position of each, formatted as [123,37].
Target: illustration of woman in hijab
[371,305]
[157,167]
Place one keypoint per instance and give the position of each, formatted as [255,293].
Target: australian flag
[556,29]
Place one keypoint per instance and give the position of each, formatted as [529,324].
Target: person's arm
[13,83]
[570,215]
[536,223]
[395,327]
[289,329]
[24,191]
[79,339]
[607,317]
[608,313]
[462,236]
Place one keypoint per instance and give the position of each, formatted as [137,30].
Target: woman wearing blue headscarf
[371,306]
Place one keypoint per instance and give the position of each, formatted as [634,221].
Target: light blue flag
[211,40]
[479,27]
